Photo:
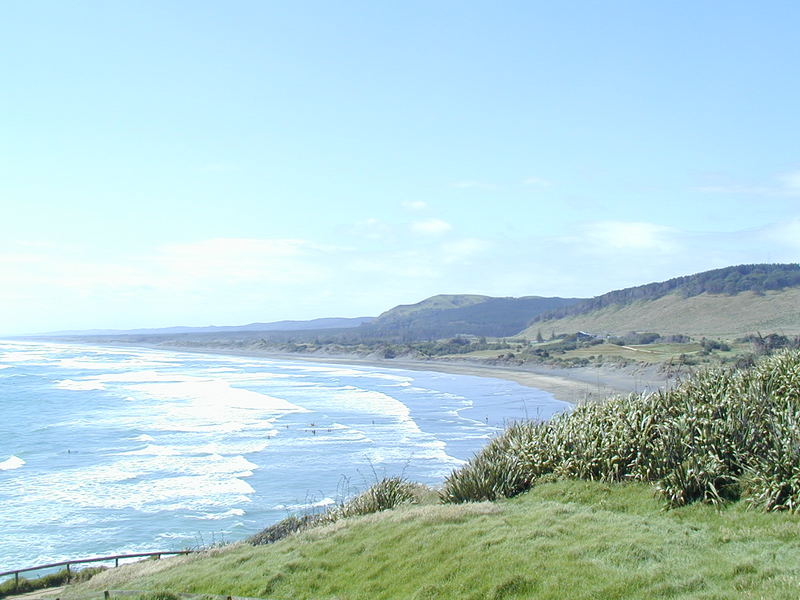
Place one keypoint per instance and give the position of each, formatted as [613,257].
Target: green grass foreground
[566,539]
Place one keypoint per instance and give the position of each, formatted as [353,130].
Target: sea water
[107,450]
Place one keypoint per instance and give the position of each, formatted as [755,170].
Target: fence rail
[116,558]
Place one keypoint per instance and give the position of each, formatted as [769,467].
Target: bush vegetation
[722,435]
[387,493]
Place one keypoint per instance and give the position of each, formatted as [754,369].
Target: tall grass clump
[387,493]
[722,435]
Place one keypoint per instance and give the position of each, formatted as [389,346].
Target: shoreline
[573,385]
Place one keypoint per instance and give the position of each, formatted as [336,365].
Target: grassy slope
[440,302]
[566,539]
[704,315]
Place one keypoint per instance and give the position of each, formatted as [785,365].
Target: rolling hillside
[725,315]
[578,540]
[449,315]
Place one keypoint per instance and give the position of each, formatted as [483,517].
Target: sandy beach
[574,385]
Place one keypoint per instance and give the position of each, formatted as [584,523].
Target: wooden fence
[116,558]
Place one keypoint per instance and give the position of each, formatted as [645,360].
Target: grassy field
[714,316]
[651,353]
[658,353]
[561,540]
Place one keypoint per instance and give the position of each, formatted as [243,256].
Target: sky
[194,162]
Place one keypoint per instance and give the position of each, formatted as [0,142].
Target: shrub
[281,529]
[717,436]
[387,493]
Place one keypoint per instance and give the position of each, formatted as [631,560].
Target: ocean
[107,450]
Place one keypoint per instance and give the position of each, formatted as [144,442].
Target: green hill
[726,302]
[438,302]
[449,315]
[710,315]
[577,540]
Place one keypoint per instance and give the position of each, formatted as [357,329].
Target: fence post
[16,580]
[69,575]
[116,562]
[106,595]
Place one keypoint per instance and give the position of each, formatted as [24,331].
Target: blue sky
[195,163]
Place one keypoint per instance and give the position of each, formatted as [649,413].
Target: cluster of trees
[710,345]
[766,344]
[730,280]
[459,345]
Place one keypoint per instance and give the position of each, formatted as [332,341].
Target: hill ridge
[730,281]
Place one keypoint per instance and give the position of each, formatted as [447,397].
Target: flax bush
[387,493]
[722,435]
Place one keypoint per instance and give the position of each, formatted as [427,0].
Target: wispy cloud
[220,168]
[371,229]
[536,182]
[602,236]
[234,260]
[180,267]
[786,184]
[416,205]
[785,234]
[431,227]
[474,185]
[464,249]
[791,181]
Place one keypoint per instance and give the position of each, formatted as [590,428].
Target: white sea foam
[209,516]
[27,357]
[12,463]
[229,447]
[188,403]
[253,377]
[153,450]
[81,385]
[344,372]
[306,506]
[169,535]
[88,363]
[370,402]
[150,495]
